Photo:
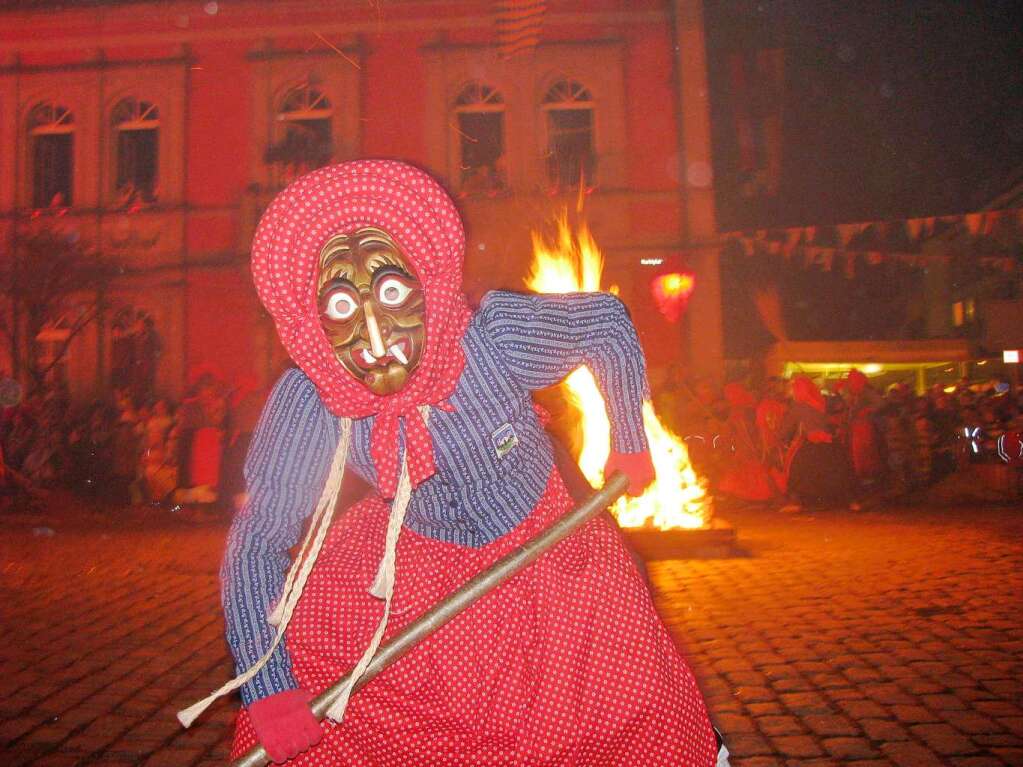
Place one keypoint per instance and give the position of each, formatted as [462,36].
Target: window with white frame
[562,114]
[304,138]
[51,130]
[568,108]
[135,348]
[136,124]
[479,116]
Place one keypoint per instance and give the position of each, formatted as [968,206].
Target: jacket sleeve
[543,338]
[285,471]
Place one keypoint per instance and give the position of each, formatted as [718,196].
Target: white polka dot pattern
[565,664]
[416,211]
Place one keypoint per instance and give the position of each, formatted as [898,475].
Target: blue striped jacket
[493,457]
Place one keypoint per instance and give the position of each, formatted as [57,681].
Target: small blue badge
[504,440]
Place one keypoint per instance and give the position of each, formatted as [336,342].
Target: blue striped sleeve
[543,338]
[285,470]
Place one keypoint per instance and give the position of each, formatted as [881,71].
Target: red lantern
[671,292]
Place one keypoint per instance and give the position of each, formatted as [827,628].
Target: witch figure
[818,473]
[567,663]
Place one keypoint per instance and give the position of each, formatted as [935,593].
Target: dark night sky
[890,108]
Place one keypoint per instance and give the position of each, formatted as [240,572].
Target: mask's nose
[376,340]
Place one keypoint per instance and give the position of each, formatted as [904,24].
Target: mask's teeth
[398,354]
[368,357]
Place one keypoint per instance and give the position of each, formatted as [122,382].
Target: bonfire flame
[573,263]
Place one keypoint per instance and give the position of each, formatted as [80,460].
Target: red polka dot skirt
[565,664]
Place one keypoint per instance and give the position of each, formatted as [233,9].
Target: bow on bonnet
[421,218]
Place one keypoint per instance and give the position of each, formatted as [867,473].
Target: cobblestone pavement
[889,637]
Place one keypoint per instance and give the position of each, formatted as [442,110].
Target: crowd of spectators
[746,440]
[124,451]
[788,442]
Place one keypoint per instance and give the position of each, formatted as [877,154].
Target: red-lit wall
[212,185]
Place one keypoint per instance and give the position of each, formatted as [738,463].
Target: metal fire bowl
[717,541]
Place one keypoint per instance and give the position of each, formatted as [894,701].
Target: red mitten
[636,466]
[285,725]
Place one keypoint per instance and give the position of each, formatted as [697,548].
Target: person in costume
[770,415]
[819,473]
[745,475]
[567,663]
[863,436]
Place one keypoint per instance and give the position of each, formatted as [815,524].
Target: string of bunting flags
[993,239]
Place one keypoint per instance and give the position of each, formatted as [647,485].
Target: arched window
[134,352]
[479,114]
[137,126]
[304,139]
[570,147]
[51,130]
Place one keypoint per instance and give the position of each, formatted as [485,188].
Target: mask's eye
[392,290]
[339,305]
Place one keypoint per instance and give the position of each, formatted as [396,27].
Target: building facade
[158,132]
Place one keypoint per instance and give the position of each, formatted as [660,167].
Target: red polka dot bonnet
[416,211]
